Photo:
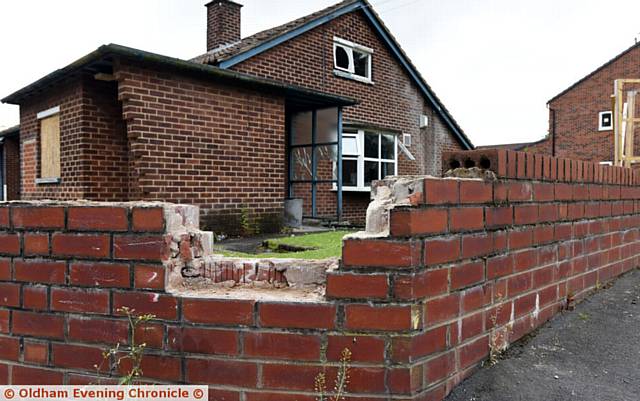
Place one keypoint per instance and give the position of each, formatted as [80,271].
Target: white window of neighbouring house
[352,60]
[49,145]
[367,156]
[605,121]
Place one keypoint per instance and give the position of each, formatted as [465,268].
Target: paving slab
[589,354]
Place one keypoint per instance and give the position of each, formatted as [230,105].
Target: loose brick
[380,317]
[357,285]
[282,346]
[97,219]
[203,341]
[38,217]
[441,191]
[376,253]
[220,312]
[297,315]
[148,219]
[79,246]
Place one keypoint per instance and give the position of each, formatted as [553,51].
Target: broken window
[605,121]
[49,145]
[352,60]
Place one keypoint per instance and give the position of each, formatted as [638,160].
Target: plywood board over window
[50,147]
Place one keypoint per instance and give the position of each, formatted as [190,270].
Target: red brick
[9,348]
[149,276]
[477,245]
[203,341]
[385,318]
[519,191]
[441,191]
[76,357]
[161,367]
[440,367]
[441,309]
[94,274]
[475,298]
[405,380]
[148,219]
[409,349]
[95,330]
[406,222]
[543,192]
[295,347]
[519,284]
[221,372]
[38,217]
[35,297]
[10,244]
[441,250]
[97,219]
[472,191]
[499,266]
[36,352]
[151,334]
[466,274]
[4,320]
[520,239]
[162,306]
[526,214]
[36,244]
[499,216]
[79,300]
[23,375]
[363,348]
[427,283]
[474,352]
[525,304]
[377,253]
[40,271]
[297,315]
[472,326]
[5,269]
[10,294]
[4,217]
[218,311]
[38,324]
[498,315]
[78,246]
[466,219]
[525,260]
[139,247]
[347,285]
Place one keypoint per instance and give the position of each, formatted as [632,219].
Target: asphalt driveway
[589,354]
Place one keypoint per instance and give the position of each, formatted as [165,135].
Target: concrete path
[590,354]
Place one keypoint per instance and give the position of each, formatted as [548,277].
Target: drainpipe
[552,113]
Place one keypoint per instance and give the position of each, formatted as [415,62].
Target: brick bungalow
[10,164]
[580,117]
[242,127]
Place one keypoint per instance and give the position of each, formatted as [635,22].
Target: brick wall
[469,267]
[393,103]
[216,146]
[11,146]
[93,143]
[576,111]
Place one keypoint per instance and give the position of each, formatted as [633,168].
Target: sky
[493,63]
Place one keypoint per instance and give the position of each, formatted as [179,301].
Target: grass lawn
[327,244]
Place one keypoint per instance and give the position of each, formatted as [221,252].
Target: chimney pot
[223,23]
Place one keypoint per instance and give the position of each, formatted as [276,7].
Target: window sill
[349,75]
[605,129]
[45,181]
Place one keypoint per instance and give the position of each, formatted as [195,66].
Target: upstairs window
[605,121]
[352,60]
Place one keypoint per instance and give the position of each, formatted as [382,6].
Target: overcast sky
[494,63]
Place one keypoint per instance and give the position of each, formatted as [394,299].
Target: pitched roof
[592,73]
[10,131]
[512,146]
[104,56]
[229,55]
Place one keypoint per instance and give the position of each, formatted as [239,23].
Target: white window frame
[361,159]
[600,126]
[349,72]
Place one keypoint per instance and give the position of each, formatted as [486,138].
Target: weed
[341,382]
[113,357]
[583,316]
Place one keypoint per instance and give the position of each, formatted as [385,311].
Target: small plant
[583,316]
[341,382]
[571,301]
[114,357]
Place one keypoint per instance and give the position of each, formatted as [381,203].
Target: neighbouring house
[581,118]
[539,146]
[10,164]
[280,114]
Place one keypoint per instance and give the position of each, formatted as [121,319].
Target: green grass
[327,244]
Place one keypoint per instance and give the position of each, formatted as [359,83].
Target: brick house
[254,121]
[10,164]
[580,117]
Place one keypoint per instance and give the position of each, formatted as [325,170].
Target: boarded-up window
[50,147]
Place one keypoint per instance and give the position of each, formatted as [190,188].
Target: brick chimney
[223,23]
